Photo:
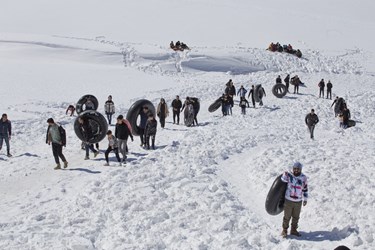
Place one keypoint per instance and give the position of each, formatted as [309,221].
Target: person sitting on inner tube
[296,194]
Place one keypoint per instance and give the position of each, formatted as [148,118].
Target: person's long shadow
[290,97]
[83,170]
[334,235]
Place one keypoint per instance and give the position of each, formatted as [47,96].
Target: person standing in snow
[344,116]
[262,93]
[56,137]
[286,80]
[321,86]
[122,133]
[144,116]
[162,112]
[86,130]
[225,104]
[329,90]
[296,194]
[251,93]
[5,132]
[230,90]
[150,131]
[112,146]
[243,104]
[311,120]
[296,82]
[242,92]
[176,106]
[109,108]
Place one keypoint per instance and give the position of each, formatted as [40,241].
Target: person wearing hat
[311,120]
[296,194]
[55,136]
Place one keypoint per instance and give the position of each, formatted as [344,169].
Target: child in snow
[112,146]
[150,131]
[243,104]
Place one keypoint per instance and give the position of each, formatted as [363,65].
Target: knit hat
[120,117]
[297,165]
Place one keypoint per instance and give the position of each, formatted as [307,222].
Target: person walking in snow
[321,86]
[230,90]
[162,112]
[225,104]
[150,131]
[176,106]
[243,104]
[329,90]
[262,93]
[86,130]
[296,82]
[296,194]
[344,117]
[311,120]
[70,109]
[122,133]
[5,132]
[142,125]
[112,146]
[242,92]
[251,93]
[57,137]
[109,108]
[286,80]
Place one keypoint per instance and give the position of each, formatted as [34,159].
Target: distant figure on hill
[109,108]
[70,109]
[321,86]
[329,90]
[311,120]
[296,82]
[5,132]
[278,79]
[296,194]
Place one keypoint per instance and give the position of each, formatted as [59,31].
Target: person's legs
[122,147]
[174,116]
[1,141]
[55,152]
[288,209]
[60,153]
[117,154]
[147,141]
[153,141]
[178,117]
[109,149]
[142,135]
[295,217]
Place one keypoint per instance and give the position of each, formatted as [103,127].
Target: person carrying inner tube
[296,194]
[86,130]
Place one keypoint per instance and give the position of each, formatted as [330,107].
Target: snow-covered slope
[203,187]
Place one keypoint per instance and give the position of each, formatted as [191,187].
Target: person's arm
[305,192]
[285,177]
[306,118]
[10,129]
[317,119]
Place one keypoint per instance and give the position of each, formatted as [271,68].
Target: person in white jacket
[296,194]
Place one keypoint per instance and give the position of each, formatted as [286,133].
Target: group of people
[295,81]
[342,112]
[322,85]
[180,46]
[284,48]
[227,98]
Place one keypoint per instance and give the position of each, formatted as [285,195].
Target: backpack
[62,135]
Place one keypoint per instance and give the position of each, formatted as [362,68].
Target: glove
[304,203]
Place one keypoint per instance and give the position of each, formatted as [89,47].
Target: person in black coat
[252,93]
[176,106]
[329,90]
[150,131]
[5,132]
[230,90]
[278,79]
[321,86]
[86,130]
[311,120]
[345,116]
[122,133]
[286,80]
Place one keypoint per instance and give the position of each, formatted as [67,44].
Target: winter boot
[9,154]
[295,232]
[65,164]
[58,166]
[87,158]
[284,233]
[106,164]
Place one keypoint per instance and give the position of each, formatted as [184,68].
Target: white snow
[203,187]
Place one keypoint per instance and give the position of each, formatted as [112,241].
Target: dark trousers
[296,88]
[287,86]
[6,139]
[89,147]
[57,152]
[176,114]
[291,210]
[321,92]
[152,141]
[109,117]
[162,121]
[243,110]
[142,135]
[329,92]
[109,149]
[311,129]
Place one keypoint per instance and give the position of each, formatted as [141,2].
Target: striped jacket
[297,187]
